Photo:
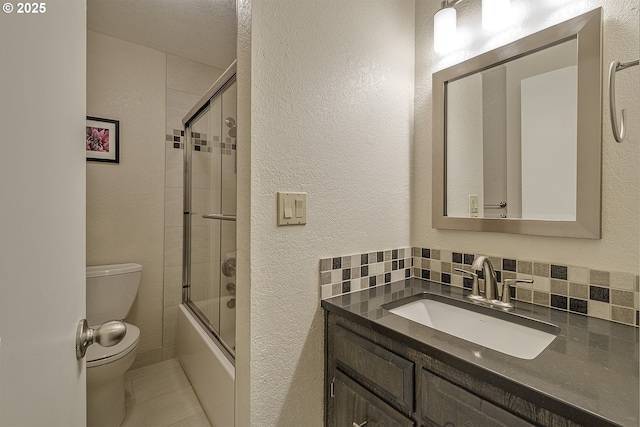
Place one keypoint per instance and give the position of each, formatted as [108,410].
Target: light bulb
[444,30]
[495,14]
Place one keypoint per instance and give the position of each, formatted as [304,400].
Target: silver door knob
[355,424]
[108,334]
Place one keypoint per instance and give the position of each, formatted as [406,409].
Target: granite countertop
[589,372]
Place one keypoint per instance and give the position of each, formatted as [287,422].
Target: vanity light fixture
[495,15]
[444,27]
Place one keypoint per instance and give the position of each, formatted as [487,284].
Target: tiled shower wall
[608,295]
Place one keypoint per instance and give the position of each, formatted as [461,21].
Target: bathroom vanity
[384,369]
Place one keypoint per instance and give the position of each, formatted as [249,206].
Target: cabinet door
[355,406]
[382,372]
[446,405]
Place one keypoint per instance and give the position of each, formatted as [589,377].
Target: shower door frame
[224,81]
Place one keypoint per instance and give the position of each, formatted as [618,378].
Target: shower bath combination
[206,329]
[209,238]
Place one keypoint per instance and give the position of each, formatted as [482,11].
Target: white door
[42,212]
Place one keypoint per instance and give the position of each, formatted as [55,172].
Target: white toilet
[111,290]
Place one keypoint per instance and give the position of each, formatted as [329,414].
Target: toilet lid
[99,355]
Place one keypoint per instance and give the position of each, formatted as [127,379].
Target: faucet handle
[467,272]
[475,287]
[505,300]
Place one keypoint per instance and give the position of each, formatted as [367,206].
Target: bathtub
[209,370]
[222,308]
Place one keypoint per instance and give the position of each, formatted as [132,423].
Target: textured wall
[244,306]
[331,113]
[125,201]
[618,248]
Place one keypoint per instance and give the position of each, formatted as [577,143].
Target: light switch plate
[295,205]
[473,206]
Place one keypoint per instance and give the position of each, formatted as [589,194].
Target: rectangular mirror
[517,136]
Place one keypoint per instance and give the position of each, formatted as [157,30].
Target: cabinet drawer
[381,371]
[355,405]
[446,404]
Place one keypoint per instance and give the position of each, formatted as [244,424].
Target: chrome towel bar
[500,205]
[618,132]
[220,217]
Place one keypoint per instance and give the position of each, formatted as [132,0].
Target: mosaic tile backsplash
[608,295]
[351,273]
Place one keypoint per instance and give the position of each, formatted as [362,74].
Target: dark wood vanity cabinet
[354,405]
[368,383]
[446,404]
[378,381]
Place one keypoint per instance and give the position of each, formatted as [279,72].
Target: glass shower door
[210,232]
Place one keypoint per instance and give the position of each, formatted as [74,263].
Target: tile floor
[160,395]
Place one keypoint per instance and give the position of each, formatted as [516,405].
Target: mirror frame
[587,28]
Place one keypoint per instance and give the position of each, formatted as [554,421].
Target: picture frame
[102,140]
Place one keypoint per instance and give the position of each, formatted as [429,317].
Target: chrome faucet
[490,282]
[491,295]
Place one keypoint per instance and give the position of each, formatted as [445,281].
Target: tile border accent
[174,138]
[608,295]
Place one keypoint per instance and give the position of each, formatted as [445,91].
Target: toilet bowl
[105,379]
[111,290]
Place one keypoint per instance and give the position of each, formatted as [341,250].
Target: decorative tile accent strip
[200,143]
[352,273]
[607,295]
[175,139]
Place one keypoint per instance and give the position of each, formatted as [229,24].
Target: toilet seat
[98,355]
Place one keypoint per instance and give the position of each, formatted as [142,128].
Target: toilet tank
[111,290]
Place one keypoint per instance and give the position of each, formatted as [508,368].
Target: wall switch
[299,208]
[292,208]
[473,206]
[288,211]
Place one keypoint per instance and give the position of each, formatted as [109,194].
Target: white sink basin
[507,333]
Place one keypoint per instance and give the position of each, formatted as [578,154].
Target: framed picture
[102,140]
